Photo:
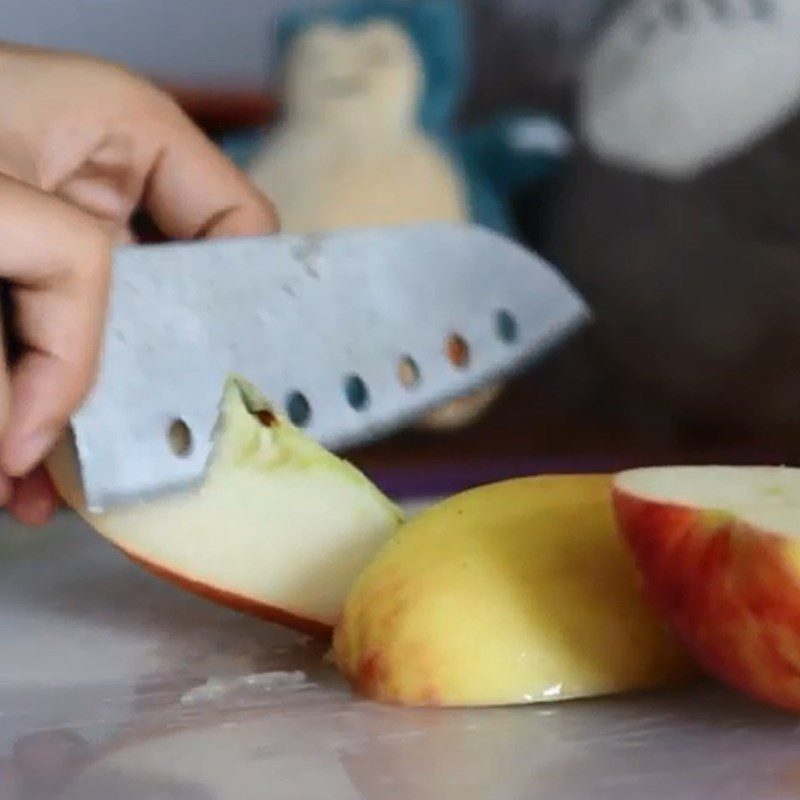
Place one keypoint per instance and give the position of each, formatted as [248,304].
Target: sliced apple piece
[516,592]
[280,527]
[719,551]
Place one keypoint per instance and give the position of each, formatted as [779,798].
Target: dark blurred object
[695,284]
[528,52]
[692,265]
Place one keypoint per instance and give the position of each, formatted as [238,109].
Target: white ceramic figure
[349,151]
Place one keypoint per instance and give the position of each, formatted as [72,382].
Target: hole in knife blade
[356,392]
[505,324]
[180,438]
[298,408]
[457,350]
[408,372]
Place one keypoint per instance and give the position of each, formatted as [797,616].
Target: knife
[352,335]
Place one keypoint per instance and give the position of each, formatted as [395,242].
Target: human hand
[83,145]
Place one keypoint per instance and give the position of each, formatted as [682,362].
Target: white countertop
[99,699]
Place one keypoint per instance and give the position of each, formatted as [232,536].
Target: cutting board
[115,684]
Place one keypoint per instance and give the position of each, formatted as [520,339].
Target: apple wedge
[516,592]
[279,528]
[719,551]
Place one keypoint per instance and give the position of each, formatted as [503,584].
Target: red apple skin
[236,602]
[731,592]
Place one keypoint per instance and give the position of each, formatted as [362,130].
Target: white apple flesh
[279,528]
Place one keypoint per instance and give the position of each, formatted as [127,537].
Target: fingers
[34,499]
[194,191]
[104,143]
[56,259]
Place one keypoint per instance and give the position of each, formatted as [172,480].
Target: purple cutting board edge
[409,482]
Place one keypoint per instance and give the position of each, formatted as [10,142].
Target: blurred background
[209,45]
[672,210]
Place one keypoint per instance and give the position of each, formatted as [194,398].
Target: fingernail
[22,457]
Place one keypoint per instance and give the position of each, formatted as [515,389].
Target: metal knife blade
[321,324]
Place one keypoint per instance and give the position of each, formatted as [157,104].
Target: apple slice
[719,551]
[279,528]
[516,592]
